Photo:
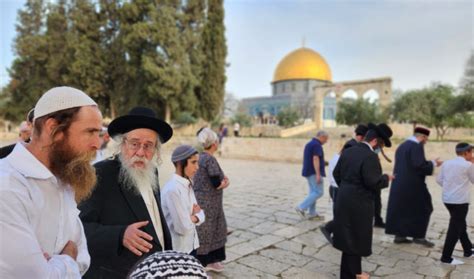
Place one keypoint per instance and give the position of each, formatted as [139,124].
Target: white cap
[61,98]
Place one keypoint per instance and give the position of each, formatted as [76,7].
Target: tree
[431,106]
[467,81]
[27,72]
[353,112]
[287,117]
[242,118]
[210,93]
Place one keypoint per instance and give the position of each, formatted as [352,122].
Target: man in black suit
[123,219]
[359,175]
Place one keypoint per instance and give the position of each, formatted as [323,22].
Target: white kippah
[61,98]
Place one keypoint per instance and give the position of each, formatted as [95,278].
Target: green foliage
[211,91]
[185,118]
[287,117]
[433,106]
[166,55]
[243,119]
[352,112]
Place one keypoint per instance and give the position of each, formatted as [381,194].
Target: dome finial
[303,42]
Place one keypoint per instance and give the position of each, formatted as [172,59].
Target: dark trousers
[351,265]
[333,193]
[212,257]
[457,230]
[378,206]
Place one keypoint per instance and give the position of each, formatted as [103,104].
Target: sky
[414,42]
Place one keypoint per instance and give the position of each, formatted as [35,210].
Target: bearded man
[41,235]
[123,219]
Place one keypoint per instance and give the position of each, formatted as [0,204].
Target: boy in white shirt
[182,213]
[456,178]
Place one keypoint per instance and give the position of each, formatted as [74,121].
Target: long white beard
[137,179]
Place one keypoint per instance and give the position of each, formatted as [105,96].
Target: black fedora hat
[383,131]
[140,117]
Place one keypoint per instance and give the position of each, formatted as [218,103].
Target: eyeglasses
[136,145]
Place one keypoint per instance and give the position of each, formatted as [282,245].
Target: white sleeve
[180,218]
[470,173]
[440,176]
[21,255]
[200,215]
[83,257]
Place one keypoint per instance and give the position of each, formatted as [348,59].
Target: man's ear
[50,127]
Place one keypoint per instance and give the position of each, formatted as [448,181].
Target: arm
[103,240]
[316,167]
[21,255]
[180,217]
[200,215]
[440,177]
[470,173]
[337,172]
[372,174]
[419,162]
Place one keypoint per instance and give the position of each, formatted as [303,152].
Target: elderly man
[24,135]
[41,235]
[409,204]
[123,219]
[313,171]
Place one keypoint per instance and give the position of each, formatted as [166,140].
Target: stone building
[303,81]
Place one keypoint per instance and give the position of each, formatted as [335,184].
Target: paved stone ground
[269,240]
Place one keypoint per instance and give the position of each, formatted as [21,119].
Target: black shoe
[379,224]
[401,239]
[326,234]
[424,242]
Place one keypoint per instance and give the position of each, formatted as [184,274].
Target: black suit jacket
[105,216]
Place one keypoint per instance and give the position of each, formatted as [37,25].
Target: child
[182,213]
[455,177]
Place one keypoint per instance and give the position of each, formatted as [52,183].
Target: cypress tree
[211,91]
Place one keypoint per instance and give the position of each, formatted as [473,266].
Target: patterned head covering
[168,264]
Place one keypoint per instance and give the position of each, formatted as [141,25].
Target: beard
[136,179]
[73,168]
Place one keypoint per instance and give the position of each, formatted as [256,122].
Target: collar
[181,180]
[414,139]
[27,164]
[371,148]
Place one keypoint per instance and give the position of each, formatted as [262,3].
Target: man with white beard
[123,219]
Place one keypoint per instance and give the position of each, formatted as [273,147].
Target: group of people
[356,180]
[62,217]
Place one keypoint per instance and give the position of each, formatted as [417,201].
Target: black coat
[6,150]
[359,175]
[106,215]
[409,204]
[350,143]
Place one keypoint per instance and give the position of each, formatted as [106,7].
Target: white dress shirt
[152,207]
[455,177]
[331,167]
[38,214]
[177,200]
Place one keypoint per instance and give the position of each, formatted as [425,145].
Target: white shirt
[455,177]
[177,200]
[331,167]
[236,126]
[152,207]
[38,214]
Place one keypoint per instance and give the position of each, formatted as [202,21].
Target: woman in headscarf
[209,183]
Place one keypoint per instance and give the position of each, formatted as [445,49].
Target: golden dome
[303,63]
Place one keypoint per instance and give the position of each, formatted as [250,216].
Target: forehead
[142,134]
[89,116]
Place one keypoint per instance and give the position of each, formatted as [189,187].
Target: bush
[185,118]
[287,117]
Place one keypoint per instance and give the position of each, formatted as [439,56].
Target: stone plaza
[269,239]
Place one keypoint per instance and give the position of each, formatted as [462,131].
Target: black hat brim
[127,123]
[381,133]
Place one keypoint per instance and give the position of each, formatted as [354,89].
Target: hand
[70,249]
[318,179]
[136,240]
[224,183]
[196,209]
[46,256]
[194,219]
[390,177]
[438,162]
